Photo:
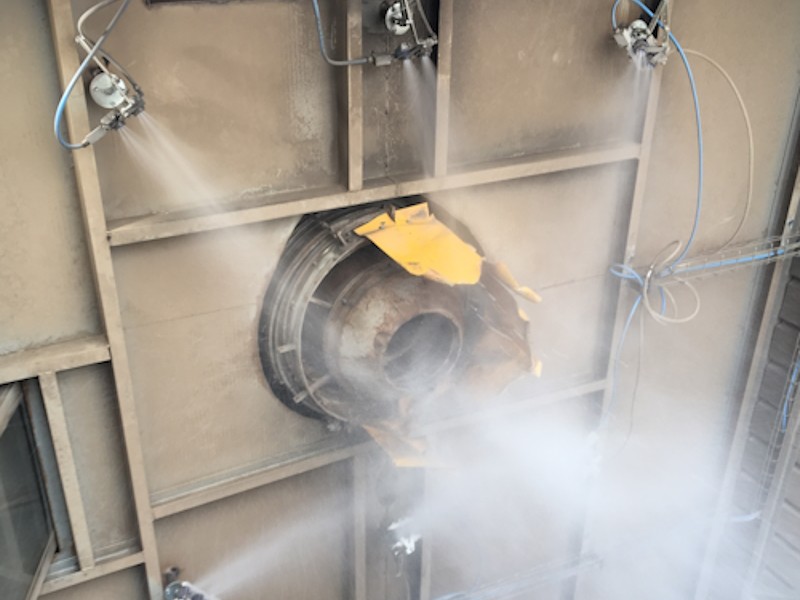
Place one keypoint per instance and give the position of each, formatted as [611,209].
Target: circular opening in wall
[421,351]
[347,335]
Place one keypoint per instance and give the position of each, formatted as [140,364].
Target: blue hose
[617,356]
[627,272]
[62,103]
[700,151]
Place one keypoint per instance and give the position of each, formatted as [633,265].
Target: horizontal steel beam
[296,203]
[204,493]
[100,569]
[513,408]
[207,493]
[26,364]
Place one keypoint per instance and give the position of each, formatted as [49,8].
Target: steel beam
[514,408]
[26,364]
[41,569]
[426,560]
[351,97]
[101,569]
[571,588]
[444,70]
[360,490]
[206,493]
[293,204]
[640,186]
[67,469]
[91,200]
[51,479]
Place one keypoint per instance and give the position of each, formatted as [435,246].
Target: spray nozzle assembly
[175,589]
[646,45]
[114,90]
[398,18]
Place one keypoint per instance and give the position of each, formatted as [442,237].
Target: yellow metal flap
[423,246]
[504,275]
[404,451]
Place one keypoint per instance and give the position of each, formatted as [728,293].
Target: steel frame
[102,236]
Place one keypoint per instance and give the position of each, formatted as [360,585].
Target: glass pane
[24,529]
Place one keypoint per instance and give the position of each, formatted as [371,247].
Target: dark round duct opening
[422,350]
[349,335]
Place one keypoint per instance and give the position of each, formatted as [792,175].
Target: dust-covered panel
[95,431]
[291,539]
[191,309]
[533,77]
[238,100]
[125,585]
[46,293]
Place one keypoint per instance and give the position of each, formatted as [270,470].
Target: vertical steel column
[571,586]
[444,71]
[640,186]
[350,87]
[56,417]
[359,475]
[426,566]
[88,182]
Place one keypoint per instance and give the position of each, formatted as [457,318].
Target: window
[25,529]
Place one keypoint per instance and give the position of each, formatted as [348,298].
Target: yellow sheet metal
[505,276]
[423,246]
[405,452]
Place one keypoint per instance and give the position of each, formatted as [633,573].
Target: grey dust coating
[250,497]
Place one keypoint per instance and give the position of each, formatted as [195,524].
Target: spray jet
[182,590]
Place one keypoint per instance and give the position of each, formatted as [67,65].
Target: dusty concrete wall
[46,293]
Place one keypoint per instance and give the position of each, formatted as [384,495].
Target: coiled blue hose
[700,150]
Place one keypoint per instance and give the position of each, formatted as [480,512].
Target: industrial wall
[139,289]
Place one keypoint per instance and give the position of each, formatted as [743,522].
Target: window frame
[13,399]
